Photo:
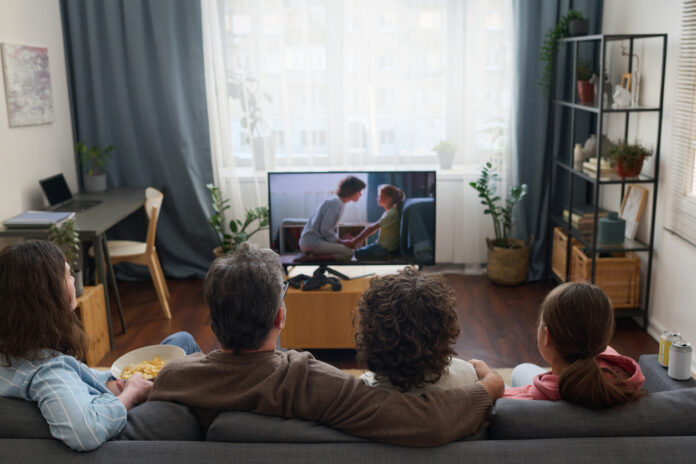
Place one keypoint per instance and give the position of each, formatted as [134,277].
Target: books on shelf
[583,218]
[607,172]
[38,219]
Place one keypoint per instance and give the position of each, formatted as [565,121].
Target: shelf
[609,37]
[628,245]
[611,179]
[595,109]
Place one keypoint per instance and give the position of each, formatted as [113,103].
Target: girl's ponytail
[584,382]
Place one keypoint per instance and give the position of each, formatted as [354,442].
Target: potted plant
[92,161]
[445,153]
[585,86]
[237,228]
[248,92]
[627,158]
[508,259]
[65,237]
[548,48]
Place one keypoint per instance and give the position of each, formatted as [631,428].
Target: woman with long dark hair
[40,339]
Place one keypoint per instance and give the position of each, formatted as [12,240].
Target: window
[347,84]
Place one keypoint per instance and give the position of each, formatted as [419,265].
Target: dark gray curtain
[534,131]
[137,81]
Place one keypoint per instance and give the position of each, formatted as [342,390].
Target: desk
[116,205]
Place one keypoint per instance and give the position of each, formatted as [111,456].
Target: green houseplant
[236,227]
[548,48]
[508,259]
[65,237]
[627,158]
[92,160]
[585,87]
[445,153]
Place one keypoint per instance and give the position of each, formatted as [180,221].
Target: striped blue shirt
[79,409]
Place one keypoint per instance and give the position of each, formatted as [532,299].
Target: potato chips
[147,369]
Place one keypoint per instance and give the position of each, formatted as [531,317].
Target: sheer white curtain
[355,84]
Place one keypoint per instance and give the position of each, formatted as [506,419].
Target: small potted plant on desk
[445,153]
[92,161]
[237,228]
[508,259]
[585,86]
[627,158]
[65,237]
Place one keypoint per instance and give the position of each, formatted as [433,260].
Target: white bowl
[146,353]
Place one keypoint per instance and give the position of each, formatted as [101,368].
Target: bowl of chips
[146,361]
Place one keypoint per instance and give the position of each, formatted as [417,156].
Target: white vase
[95,184]
[264,149]
[446,158]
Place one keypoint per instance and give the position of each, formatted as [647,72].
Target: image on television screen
[353,217]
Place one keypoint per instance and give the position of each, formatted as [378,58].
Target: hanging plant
[547,53]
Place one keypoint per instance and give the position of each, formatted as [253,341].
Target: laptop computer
[58,194]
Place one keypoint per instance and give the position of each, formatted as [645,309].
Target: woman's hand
[116,386]
[489,379]
[135,391]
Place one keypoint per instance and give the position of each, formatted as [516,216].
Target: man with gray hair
[244,292]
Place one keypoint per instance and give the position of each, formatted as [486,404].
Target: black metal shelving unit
[595,183]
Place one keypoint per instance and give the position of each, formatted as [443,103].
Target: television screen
[352,217]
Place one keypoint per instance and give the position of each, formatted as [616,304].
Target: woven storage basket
[617,276]
[558,254]
[508,266]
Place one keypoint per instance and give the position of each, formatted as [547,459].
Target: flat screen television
[317,218]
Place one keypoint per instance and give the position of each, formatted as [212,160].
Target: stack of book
[607,171]
[37,219]
[583,218]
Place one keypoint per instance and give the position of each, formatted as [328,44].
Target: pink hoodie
[545,386]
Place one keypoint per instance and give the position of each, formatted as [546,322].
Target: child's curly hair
[407,328]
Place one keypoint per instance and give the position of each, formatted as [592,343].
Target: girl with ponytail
[390,198]
[576,323]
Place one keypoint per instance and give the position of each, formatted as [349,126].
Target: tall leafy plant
[547,53]
[66,238]
[236,231]
[503,218]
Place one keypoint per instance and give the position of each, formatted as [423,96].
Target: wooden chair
[144,253]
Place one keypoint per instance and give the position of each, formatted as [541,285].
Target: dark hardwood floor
[498,323]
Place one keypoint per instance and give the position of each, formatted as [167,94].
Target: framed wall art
[27,84]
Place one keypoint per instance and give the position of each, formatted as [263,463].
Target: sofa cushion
[657,414]
[21,419]
[245,427]
[161,420]
[656,378]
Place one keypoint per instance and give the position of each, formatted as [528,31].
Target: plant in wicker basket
[508,259]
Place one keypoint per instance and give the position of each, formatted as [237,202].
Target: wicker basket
[558,254]
[618,276]
[508,266]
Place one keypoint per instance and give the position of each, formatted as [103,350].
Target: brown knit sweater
[295,385]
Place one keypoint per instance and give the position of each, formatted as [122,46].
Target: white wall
[673,298]
[30,153]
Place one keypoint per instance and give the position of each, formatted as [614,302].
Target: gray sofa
[659,428]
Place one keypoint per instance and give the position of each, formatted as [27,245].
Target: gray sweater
[295,385]
[322,225]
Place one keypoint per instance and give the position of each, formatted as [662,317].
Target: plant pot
[578,27]
[264,149]
[95,184]
[79,283]
[508,266]
[586,92]
[217,251]
[445,158]
[628,171]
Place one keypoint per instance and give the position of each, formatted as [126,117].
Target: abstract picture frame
[632,208]
[27,84]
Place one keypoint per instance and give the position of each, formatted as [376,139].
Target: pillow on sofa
[21,419]
[245,427]
[657,414]
[161,420]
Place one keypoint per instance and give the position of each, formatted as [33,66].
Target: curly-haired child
[407,328]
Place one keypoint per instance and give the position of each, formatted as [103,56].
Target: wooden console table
[322,318]
[92,311]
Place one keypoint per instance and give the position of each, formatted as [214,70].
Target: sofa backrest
[161,420]
[668,413]
[21,419]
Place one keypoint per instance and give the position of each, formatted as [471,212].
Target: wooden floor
[498,323]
